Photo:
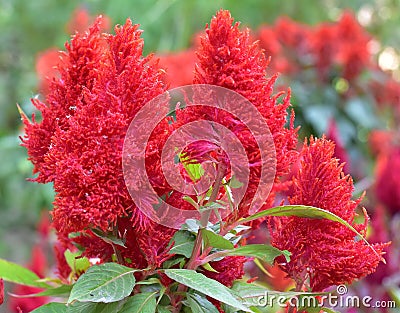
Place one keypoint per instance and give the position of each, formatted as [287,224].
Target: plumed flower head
[228,58]
[324,253]
[103,82]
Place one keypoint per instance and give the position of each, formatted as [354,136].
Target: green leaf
[194,170]
[208,267]
[162,309]
[191,201]
[141,303]
[214,240]
[307,212]
[107,282]
[176,260]
[18,274]
[191,225]
[259,296]
[52,307]
[205,285]
[76,262]
[263,252]
[92,307]
[108,237]
[234,182]
[184,243]
[199,304]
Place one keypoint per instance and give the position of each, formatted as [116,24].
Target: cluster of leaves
[111,287]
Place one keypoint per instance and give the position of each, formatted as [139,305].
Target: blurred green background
[28,27]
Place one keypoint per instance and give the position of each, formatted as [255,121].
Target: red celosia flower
[287,42]
[353,52]
[104,81]
[324,43]
[77,73]
[387,180]
[228,270]
[47,61]
[229,59]
[324,253]
[295,47]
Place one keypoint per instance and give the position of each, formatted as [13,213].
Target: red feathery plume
[103,82]
[324,253]
[229,59]
[228,270]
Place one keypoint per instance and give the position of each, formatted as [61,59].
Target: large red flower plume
[324,253]
[228,58]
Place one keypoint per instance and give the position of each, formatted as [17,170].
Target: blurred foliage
[28,27]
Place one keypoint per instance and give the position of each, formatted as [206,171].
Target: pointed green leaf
[18,274]
[144,302]
[76,262]
[52,307]
[92,307]
[183,243]
[208,267]
[214,240]
[263,252]
[162,309]
[205,285]
[109,237]
[107,282]
[259,296]
[307,212]
[199,304]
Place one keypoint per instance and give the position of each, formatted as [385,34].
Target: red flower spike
[229,59]
[77,73]
[104,81]
[324,253]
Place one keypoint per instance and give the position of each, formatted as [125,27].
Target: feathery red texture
[229,59]
[324,253]
[228,269]
[104,81]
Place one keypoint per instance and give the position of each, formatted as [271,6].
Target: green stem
[192,264]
